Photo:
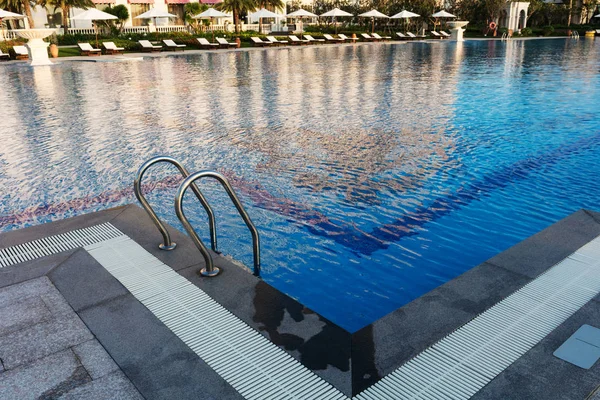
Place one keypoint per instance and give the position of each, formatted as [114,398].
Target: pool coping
[350,362]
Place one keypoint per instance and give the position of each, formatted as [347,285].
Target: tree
[19,6]
[121,12]
[192,9]
[65,6]
[293,5]
[237,7]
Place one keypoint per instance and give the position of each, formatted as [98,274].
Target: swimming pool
[374,173]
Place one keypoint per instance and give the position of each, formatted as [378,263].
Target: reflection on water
[413,162]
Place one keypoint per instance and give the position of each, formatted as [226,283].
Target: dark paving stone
[536,254]
[31,269]
[84,283]
[541,375]
[158,363]
[40,340]
[24,235]
[95,359]
[113,386]
[44,379]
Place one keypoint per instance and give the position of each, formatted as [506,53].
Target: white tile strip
[57,244]
[462,363]
[253,365]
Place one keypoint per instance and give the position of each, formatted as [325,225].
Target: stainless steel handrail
[210,269]
[137,188]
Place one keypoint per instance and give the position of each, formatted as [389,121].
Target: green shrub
[526,32]
[548,30]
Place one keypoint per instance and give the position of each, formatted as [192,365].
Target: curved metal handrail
[137,188]
[210,269]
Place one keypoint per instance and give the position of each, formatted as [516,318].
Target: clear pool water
[374,173]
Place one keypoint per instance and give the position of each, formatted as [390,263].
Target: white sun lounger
[256,41]
[86,49]
[4,56]
[273,40]
[312,39]
[344,37]
[294,40]
[368,37]
[402,36]
[413,36]
[436,35]
[225,44]
[147,46]
[376,36]
[111,48]
[330,38]
[445,34]
[205,44]
[171,45]
[21,52]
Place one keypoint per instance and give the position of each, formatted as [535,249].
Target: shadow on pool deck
[160,365]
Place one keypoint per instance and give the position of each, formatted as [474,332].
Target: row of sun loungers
[111,48]
[20,54]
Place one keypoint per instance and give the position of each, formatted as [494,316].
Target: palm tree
[23,6]
[65,6]
[237,7]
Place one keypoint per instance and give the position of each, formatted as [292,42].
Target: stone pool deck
[66,314]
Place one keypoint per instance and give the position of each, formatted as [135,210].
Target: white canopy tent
[441,14]
[336,12]
[373,14]
[405,15]
[155,13]
[93,14]
[211,14]
[8,15]
[301,13]
[264,13]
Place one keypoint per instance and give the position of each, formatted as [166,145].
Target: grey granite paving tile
[40,340]
[83,282]
[95,359]
[44,379]
[56,303]
[27,312]
[18,292]
[115,386]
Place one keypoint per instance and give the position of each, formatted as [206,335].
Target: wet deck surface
[144,358]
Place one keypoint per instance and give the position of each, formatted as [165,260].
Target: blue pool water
[374,173]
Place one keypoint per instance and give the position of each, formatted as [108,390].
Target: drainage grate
[57,244]
[462,363]
[249,362]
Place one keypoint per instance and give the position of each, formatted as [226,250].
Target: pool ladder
[189,181]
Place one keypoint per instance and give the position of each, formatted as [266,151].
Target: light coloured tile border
[462,363]
[56,244]
[248,361]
